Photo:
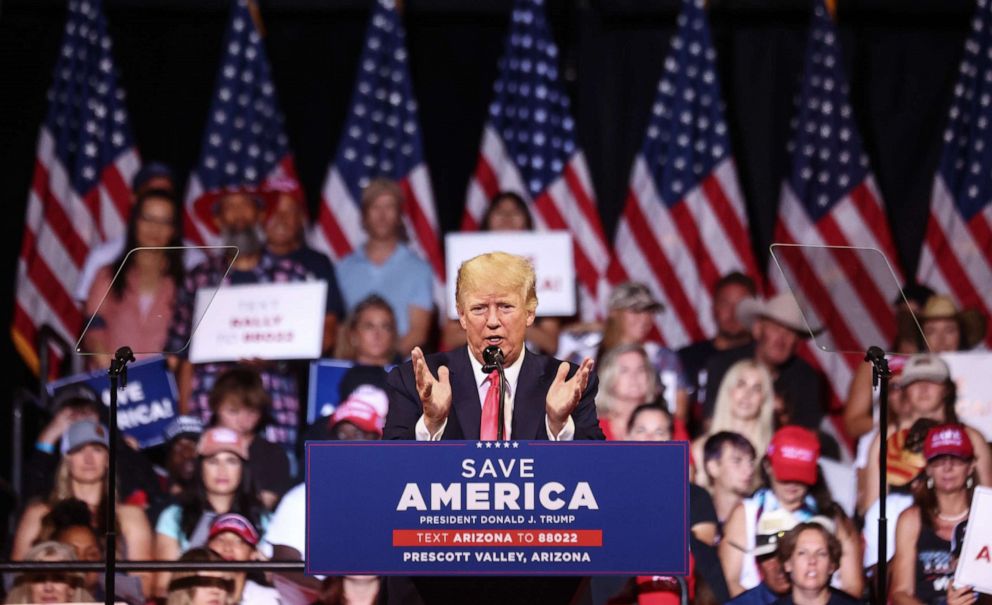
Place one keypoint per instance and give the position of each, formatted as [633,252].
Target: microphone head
[492,356]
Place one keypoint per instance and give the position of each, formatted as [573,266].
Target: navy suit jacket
[528,422]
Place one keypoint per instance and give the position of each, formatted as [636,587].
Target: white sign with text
[260,321]
[550,251]
[975,564]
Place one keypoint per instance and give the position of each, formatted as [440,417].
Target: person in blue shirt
[386,266]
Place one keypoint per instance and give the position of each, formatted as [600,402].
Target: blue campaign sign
[144,407]
[500,508]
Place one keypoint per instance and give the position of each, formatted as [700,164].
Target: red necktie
[490,409]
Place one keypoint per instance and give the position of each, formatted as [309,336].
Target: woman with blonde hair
[82,474]
[200,587]
[49,586]
[627,380]
[745,404]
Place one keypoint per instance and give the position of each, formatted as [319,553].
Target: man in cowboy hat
[778,327]
[948,328]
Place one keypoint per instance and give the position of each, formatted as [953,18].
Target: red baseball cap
[361,414]
[948,440]
[236,524]
[793,453]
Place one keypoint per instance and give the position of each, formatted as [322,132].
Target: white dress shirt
[512,374]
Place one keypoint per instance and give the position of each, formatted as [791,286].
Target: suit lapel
[465,394]
[528,402]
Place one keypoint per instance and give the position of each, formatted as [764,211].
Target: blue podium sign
[500,508]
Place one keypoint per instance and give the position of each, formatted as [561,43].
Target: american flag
[529,146]
[830,199]
[80,192]
[957,251]
[381,139]
[684,223]
[245,143]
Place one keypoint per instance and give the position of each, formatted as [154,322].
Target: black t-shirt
[701,509]
[802,387]
[693,359]
[269,464]
[318,265]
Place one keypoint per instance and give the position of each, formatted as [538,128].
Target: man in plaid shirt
[239,215]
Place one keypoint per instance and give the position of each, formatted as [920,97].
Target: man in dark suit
[443,396]
[449,396]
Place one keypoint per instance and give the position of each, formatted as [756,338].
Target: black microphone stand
[118,379]
[880,375]
[493,358]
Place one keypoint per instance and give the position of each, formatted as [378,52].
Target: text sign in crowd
[549,251]
[144,407]
[259,321]
[975,563]
[501,508]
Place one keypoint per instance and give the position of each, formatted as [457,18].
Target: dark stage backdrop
[901,59]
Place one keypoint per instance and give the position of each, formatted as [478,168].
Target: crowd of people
[770,522]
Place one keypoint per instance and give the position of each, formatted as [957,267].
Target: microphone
[492,356]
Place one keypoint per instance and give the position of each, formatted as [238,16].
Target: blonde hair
[723,414]
[62,487]
[497,271]
[608,373]
[378,187]
[49,551]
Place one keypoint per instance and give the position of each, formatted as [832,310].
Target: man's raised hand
[564,395]
[434,393]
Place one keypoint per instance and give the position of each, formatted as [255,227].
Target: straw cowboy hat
[973,324]
[782,309]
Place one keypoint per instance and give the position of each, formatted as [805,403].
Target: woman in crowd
[372,333]
[745,404]
[142,286]
[924,564]
[235,538]
[928,392]
[508,211]
[82,474]
[70,525]
[810,554]
[632,309]
[200,587]
[792,483]
[239,402]
[627,380]
[52,586]
[222,484]
[946,328]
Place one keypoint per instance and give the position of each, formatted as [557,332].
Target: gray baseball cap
[83,433]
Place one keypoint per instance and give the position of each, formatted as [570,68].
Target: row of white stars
[497,444]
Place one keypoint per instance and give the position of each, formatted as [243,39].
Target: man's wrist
[433,426]
[556,425]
